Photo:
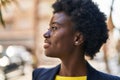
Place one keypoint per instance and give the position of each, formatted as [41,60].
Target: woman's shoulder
[106,76]
[40,72]
[98,75]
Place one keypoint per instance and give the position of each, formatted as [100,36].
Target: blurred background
[21,38]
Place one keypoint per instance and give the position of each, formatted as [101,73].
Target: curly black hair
[88,20]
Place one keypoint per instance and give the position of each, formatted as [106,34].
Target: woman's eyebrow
[55,23]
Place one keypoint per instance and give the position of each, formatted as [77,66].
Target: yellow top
[70,78]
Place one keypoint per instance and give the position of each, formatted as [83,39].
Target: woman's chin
[50,55]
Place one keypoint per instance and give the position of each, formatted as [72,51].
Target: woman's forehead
[60,18]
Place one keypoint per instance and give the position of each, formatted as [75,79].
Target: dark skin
[65,43]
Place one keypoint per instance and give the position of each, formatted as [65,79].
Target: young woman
[77,28]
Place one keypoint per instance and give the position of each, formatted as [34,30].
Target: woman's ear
[78,39]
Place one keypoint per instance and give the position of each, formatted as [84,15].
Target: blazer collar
[91,73]
[54,72]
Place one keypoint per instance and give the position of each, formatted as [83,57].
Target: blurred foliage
[1,19]
[3,3]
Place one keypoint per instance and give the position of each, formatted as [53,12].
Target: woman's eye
[53,28]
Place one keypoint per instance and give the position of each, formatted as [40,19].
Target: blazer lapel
[92,73]
[53,73]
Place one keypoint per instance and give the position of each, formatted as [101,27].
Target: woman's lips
[46,45]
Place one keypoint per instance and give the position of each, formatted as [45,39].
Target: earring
[76,43]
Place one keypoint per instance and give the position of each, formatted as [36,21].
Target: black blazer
[50,73]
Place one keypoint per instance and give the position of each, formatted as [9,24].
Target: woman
[77,28]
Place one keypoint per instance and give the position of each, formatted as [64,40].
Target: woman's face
[59,39]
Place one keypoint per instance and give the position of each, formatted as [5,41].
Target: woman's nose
[47,34]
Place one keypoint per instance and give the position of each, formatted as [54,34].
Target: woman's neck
[73,67]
